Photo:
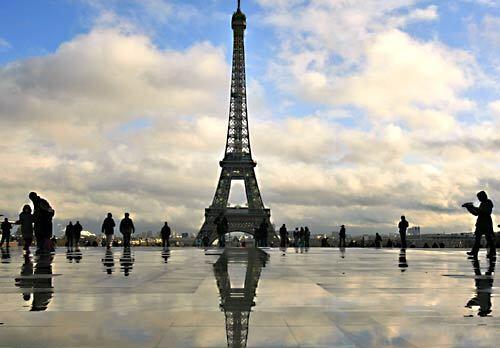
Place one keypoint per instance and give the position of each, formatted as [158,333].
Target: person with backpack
[77,233]
[43,214]
[108,228]
[126,229]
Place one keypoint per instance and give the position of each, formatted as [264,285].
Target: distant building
[413,231]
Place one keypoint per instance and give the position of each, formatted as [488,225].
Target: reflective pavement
[146,297]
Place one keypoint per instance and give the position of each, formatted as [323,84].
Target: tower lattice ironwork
[236,302]
[237,163]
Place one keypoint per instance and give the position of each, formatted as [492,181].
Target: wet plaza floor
[184,298]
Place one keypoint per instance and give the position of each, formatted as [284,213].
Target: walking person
[378,240]
[283,237]
[403,226]
[307,237]
[68,232]
[6,228]
[165,235]
[77,233]
[264,227]
[43,214]
[342,236]
[484,224]
[126,229]
[296,238]
[26,223]
[108,228]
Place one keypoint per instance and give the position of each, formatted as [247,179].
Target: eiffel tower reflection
[237,300]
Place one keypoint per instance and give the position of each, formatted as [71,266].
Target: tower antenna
[239,2]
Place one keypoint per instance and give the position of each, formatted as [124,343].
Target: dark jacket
[484,224]
[165,231]
[127,226]
[108,226]
[403,225]
[68,232]
[6,227]
[42,211]
[77,229]
[26,222]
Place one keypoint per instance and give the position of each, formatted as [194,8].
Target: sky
[359,110]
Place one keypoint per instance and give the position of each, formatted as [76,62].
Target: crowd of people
[36,225]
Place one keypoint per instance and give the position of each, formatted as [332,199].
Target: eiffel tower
[237,302]
[237,163]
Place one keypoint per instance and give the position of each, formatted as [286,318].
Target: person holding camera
[484,224]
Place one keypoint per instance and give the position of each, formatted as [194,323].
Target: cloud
[4,45]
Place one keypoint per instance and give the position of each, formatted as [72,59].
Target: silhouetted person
[69,234]
[403,226]
[264,227]
[307,237]
[165,235]
[108,261]
[378,240]
[126,229]
[26,223]
[484,286]
[296,238]
[484,224]
[221,226]
[108,228]
[441,245]
[42,219]
[283,237]
[426,246]
[435,245]
[6,228]
[77,233]
[302,238]
[403,264]
[206,240]
[342,236]
[126,261]
[389,243]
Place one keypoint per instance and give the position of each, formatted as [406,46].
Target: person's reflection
[234,301]
[165,254]
[77,255]
[126,261]
[42,282]
[25,281]
[109,261]
[342,252]
[403,264]
[484,285]
[5,255]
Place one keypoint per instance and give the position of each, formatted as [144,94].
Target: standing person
[256,236]
[42,219]
[307,237]
[484,224]
[342,235]
[26,222]
[165,235]
[283,237]
[126,229]
[302,238]
[264,226]
[6,227]
[68,232]
[108,228]
[403,226]
[296,238]
[378,240]
[221,228]
[77,233]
